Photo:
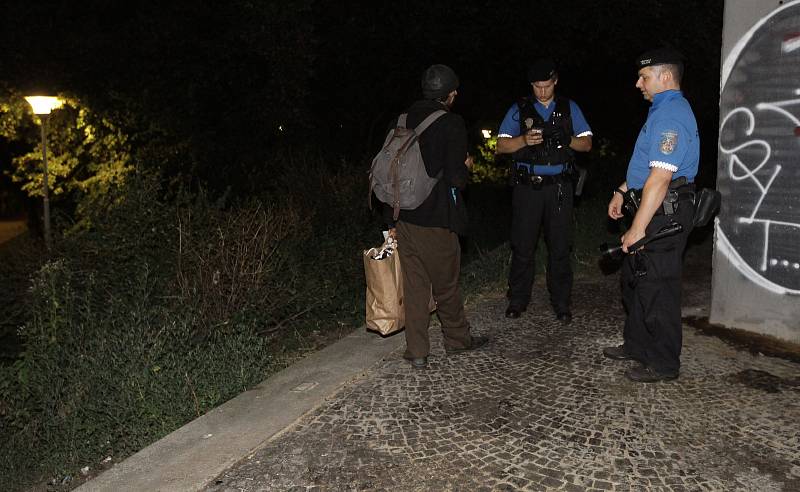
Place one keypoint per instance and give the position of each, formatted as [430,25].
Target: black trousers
[651,294]
[534,208]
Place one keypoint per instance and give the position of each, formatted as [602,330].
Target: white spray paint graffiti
[735,162]
[760,149]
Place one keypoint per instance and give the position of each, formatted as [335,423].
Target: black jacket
[444,148]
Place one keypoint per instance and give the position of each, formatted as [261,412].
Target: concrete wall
[756,282]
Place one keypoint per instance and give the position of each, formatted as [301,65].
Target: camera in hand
[555,137]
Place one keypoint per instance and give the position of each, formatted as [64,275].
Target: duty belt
[523,176]
[675,196]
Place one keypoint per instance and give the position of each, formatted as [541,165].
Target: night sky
[222,77]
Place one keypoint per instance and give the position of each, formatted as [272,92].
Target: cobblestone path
[541,409]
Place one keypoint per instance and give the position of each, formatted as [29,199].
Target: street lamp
[42,106]
[487,134]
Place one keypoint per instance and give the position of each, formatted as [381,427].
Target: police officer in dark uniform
[658,191]
[542,133]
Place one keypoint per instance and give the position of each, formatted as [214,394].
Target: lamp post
[42,106]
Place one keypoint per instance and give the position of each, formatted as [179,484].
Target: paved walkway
[540,409]
[9,229]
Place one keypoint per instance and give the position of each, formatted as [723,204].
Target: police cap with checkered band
[660,56]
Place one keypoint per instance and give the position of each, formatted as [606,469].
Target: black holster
[680,190]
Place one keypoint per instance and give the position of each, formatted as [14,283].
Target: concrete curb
[189,458]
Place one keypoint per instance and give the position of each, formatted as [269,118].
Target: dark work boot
[617,353]
[646,374]
[476,343]
[565,318]
[514,312]
[417,362]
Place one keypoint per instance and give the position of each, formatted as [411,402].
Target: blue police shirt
[510,127]
[668,140]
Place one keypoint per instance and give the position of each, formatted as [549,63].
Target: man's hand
[631,236]
[615,207]
[533,137]
[469,161]
[655,188]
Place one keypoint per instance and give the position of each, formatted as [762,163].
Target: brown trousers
[431,259]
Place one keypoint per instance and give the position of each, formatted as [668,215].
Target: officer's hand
[615,207]
[631,236]
[533,136]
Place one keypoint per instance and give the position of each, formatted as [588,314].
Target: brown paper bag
[385,312]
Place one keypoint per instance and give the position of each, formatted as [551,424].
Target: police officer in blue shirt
[658,191]
[542,133]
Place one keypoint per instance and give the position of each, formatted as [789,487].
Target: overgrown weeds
[169,303]
[166,307]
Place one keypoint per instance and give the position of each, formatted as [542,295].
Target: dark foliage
[208,84]
[198,84]
[258,118]
[369,66]
[166,307]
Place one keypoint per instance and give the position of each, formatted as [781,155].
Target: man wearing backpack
[427,236]
[542,133]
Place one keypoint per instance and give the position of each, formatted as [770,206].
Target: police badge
[669,140]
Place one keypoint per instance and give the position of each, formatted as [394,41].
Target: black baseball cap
[438,81]
[660,56]
[542,69]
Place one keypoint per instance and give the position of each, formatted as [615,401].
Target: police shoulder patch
[669,140]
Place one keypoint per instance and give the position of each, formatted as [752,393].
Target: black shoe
[417,362]
[617,353]
[565,318]
[514,312]
[475,343]
[646,374]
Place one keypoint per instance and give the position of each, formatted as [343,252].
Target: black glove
[560,137]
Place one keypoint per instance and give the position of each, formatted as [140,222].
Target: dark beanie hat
[660,56]
[438,81]
[541,70]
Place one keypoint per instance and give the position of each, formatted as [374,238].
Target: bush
[171,302]
[18,258]
[231,266]
[103,382]
[165,308]
[331,198]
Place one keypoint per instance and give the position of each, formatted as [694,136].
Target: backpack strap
[428,121]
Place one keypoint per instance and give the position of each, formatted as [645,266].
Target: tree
[87,154]
[200,87]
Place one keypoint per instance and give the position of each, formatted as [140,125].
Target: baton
[616,251]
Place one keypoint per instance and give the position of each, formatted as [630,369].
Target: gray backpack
[398,176]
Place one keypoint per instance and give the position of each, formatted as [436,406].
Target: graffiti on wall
[758,229]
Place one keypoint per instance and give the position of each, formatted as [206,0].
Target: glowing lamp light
[486,133]
[44,104]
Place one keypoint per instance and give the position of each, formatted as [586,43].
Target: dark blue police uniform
[651,278]
[542,196]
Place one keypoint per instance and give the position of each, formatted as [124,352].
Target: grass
[166,308]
